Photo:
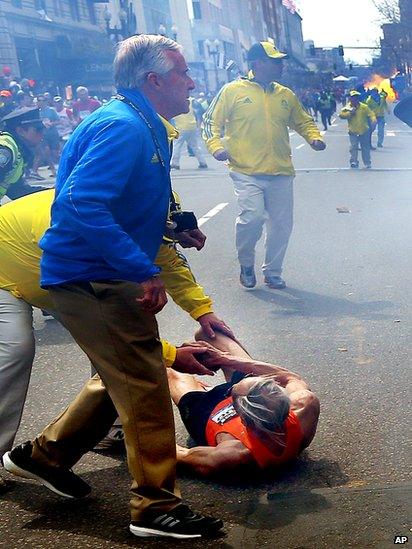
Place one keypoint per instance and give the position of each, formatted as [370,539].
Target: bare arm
[208,461]
[248,365]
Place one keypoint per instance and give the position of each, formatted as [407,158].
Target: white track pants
[263,200]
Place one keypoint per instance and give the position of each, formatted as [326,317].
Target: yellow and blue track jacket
[252,124]
[112,197]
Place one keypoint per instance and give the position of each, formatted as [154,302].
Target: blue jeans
[381,130]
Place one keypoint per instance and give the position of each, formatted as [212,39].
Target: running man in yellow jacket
[22,224]
[254,115]
[361,121]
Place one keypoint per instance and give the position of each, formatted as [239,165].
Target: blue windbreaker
[112,197]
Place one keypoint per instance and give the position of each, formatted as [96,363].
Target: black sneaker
[60,481]
[203,166]
[247,277]
[180,523]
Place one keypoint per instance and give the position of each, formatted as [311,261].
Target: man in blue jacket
[108,217]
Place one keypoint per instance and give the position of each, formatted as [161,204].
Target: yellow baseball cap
[263,50]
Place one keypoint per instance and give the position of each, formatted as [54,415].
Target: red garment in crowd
[81,109]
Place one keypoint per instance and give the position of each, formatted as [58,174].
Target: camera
[181,221]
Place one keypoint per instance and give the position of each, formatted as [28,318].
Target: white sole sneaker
[151,532]
[19,472]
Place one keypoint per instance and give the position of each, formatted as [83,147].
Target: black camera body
[183,221]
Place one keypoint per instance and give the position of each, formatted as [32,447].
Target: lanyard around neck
[124,99]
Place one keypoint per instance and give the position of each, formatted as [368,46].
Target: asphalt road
[343,323]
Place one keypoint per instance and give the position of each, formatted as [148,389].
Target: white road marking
[291,134]
[211,213]
[300,146]
[390,134]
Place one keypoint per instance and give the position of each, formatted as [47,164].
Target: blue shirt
[111,200]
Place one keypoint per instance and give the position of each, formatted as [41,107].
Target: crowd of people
[321,103]
[59,116]
[101,250]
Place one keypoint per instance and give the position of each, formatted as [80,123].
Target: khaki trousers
[122,342]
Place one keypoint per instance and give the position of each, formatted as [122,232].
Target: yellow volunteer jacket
[254,123]
[22,224]
[358,119]
[378,109]
[186,122]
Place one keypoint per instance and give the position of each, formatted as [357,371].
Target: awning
[341,78]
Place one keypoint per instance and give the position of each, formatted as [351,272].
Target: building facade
[396,45]
[72,41]
[56,43]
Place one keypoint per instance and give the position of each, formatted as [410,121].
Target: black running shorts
[195,407]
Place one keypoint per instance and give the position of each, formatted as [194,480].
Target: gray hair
[266,406]
[138,55]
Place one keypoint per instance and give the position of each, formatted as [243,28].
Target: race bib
[224,415]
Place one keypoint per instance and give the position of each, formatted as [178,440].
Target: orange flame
[379,82]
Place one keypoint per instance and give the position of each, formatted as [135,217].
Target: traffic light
[312,51]
[341,51]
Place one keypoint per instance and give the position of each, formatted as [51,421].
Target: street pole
[215,54]
[213,51]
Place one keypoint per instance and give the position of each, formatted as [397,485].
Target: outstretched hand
[189,359]
[211,323]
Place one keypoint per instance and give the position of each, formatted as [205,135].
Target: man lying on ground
[262,417]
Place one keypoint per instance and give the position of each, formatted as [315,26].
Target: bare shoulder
[306,406]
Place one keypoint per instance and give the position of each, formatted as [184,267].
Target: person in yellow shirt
[254,115]
[186,124]
[376,101]
[22,224]
[361,120]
